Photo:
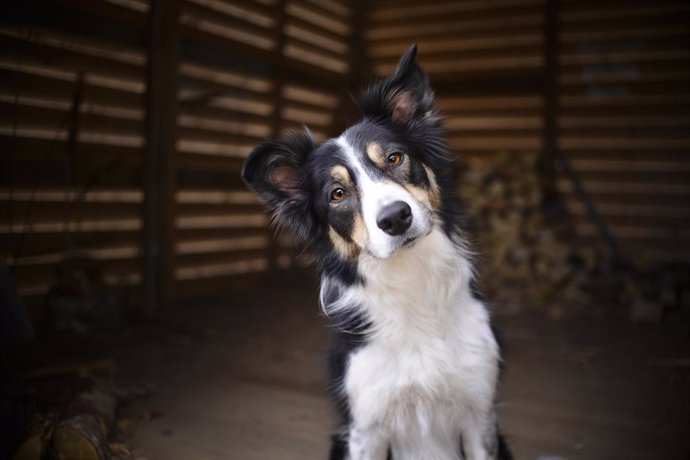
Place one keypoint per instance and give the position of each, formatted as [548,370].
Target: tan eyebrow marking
[375,153]
[341,175]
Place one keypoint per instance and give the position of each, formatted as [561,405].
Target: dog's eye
[337,194]
[394,158]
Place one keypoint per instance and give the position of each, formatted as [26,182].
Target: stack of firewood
[524,258]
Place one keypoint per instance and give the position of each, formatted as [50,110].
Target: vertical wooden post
[360,68]
[161,156]
[550,113]
[552,159]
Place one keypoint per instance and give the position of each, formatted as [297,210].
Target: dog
[414,363]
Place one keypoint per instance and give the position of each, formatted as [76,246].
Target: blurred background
[148,312]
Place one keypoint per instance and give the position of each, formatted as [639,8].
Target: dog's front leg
[367,443]
[480,438]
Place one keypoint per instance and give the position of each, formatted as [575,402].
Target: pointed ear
[275,172]
[404,97]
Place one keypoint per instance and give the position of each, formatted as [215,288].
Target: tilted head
[375,190]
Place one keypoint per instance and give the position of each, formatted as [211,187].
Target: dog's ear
[275,172]
[404,97]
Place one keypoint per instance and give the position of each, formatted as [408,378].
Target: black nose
[395,218]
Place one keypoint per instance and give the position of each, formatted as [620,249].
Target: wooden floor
[243,379]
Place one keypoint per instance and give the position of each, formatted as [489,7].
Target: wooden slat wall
[39,70]
[624,121]
[462,43]
[624,84]
[231,96]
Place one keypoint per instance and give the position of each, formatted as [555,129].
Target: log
[83,431]
[36,440]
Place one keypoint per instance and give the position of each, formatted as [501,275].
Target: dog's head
[375,189]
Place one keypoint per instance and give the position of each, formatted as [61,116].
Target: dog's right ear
[275,172]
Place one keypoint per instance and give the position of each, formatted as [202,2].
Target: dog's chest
[431,356]
[422,380]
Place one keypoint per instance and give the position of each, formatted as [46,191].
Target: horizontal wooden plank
[245,10]
[194,161]
[661,210]
[51,55]
[624,198]
[508,24]
[310,56]
[650,233]
[233,266]
[630,121]
[191,235]
[433,46]
[500,104]
[613,35]
[317,18]
[53,149]
[30,244]
[221,113]
[42,83]
[479,123]
[651,165]
[222,81]
[623,87]
[72,210]
[221,221]
[226,126]
[47,118]
[618,143]
[673,20]
[678,155]
[205,209]
[199,260]
[624,57]
[395,10]
[660,190]
[197,18]
[203,155]
[637,178]
[222,245]
[330,43]
[199,134]
[53,173]
[572,13]
[492,143]
[431,60]
[670,225]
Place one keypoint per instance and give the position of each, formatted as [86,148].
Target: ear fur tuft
[405,97]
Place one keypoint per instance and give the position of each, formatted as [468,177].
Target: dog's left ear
[404,97]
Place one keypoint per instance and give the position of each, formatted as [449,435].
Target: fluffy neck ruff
[415,291]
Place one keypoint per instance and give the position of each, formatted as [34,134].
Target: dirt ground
[243,378]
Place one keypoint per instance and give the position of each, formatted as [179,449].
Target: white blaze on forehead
[374,194]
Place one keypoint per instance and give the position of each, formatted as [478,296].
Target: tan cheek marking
[359,232]
[434,191]
[375,154]
[343,247]
[420,194]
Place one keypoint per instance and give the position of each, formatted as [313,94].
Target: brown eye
[395,158]
[337,194]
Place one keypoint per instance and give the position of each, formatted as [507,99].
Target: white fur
[426,377]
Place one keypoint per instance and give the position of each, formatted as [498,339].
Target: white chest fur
[430,366]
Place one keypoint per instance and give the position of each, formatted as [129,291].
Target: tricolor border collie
[414,364]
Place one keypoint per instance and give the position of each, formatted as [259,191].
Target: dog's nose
[395,218]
